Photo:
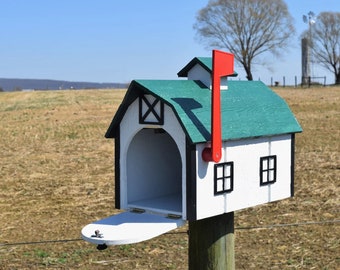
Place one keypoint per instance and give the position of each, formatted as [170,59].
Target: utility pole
[306,48]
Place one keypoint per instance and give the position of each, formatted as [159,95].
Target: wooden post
[211,243]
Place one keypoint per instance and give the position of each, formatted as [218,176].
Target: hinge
[137,210]
[173,216]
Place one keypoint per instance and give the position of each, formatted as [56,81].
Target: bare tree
[325,42]
[246,28]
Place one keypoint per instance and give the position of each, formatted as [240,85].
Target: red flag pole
[223,65]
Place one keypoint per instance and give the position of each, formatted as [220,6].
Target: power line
[270,226]
[41,242]
[325,222]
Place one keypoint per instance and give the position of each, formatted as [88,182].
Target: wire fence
[304,82]
[269,226]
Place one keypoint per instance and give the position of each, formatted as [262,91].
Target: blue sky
[122,40]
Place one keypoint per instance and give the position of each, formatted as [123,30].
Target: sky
[123,40]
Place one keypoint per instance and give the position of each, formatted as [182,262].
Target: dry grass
[57,176]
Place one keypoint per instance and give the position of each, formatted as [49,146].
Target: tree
[246,28]
[325,42]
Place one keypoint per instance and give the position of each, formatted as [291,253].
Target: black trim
[224,178]
[267,180]
[130,96]
[191,186]
[151,110]
[292,165]
[117,171]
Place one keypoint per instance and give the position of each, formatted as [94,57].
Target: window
[223,178]
[151,110]
[267,170]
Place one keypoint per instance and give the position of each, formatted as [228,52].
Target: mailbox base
[211,243]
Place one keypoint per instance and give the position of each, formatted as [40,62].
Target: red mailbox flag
[223,65]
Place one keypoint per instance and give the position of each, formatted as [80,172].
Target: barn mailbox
[196,148]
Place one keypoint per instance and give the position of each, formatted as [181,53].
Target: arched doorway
[154,172]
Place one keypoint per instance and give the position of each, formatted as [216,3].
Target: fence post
[211,243]
[284,81]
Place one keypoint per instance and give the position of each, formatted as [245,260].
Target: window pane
[227,171]
[264,176]
[227,183]
[219,171]
[219,185]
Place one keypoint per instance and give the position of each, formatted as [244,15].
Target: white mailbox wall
[197,72]
[129,128]
[247,191]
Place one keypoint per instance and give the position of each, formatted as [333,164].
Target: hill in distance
[40,84]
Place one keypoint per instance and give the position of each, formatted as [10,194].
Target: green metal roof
[248,108]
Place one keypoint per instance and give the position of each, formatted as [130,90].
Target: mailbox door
[128,228]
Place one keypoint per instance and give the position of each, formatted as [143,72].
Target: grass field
[57,176]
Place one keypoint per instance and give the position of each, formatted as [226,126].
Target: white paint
[247,190]
[128,228]
[159,188]
[197,72]
[146,180]
[154,171]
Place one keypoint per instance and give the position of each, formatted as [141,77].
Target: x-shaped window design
[151,110]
